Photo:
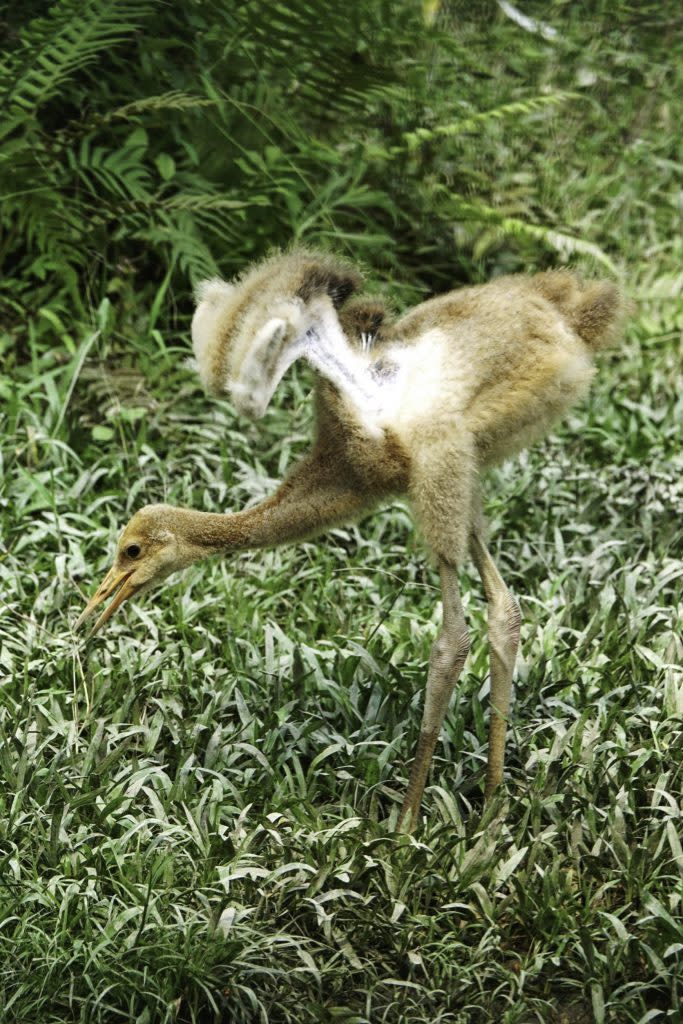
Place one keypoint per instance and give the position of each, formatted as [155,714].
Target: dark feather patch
[337,281]
[365,317]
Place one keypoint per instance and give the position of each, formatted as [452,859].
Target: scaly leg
[504,621]
[445,664]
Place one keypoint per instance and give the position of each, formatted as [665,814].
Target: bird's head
[151,547]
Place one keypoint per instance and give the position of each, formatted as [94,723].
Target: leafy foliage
[253,140]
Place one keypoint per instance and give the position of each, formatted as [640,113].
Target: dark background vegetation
[193,809]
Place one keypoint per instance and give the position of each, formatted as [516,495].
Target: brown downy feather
[599,316]
[230,314]
[321,274]
[366,317]
[596,310]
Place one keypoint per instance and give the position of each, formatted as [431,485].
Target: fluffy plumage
[230,315]
[420,405]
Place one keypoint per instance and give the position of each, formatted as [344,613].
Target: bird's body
[419,406]
[497,364]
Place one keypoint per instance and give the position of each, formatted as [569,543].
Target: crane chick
[419,406]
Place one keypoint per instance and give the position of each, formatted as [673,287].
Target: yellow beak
[111,582]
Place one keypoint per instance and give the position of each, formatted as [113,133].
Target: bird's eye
[133,550]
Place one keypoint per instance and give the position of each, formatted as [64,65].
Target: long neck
[313,498]
[262,526]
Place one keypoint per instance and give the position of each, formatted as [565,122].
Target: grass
[194,807]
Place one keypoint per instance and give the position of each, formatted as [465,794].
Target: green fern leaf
[505,226]
[476,121]
[57,46]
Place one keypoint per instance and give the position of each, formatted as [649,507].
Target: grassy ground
[194,807]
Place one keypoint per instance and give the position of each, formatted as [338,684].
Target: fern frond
[113,174]
[208,201]
[192,253]
[504,226]
[175,99]
[474,121]
[338,68]
[55,47]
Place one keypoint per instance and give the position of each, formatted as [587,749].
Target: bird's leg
[504,620]
[445,664]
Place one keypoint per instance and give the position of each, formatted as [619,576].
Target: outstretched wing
[247,334]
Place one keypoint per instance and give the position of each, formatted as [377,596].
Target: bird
[417,406]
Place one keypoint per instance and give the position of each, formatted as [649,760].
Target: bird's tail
[599,315]
[596,310]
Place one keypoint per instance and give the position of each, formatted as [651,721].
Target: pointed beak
[111,582]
